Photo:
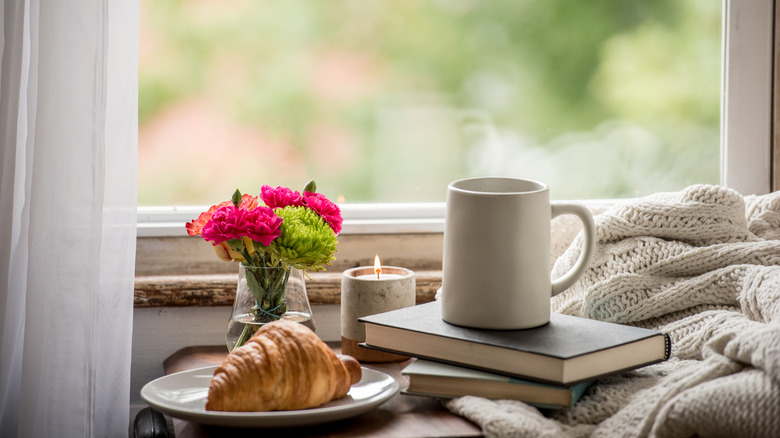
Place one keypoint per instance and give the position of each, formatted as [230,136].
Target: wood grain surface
[220,289]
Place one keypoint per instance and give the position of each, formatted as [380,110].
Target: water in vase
[242,327]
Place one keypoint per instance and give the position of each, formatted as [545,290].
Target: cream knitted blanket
[703,265]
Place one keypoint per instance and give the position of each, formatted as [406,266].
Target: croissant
[284,366]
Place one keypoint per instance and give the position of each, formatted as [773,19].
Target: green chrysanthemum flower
[307,242]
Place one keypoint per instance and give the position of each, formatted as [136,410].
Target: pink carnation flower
[325,208]
[226,223]
[195,227]
[280,197]
[263,225]
[230,222]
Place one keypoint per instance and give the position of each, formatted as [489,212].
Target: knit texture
[702,265]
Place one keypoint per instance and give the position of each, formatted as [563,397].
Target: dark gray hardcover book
[436,379]
[567,350]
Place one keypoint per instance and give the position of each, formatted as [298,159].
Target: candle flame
[377,266]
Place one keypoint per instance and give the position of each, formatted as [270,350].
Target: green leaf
[236,245]
[254,286]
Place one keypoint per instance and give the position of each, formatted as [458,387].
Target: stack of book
[548,366]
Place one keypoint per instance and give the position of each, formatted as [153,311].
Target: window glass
[388,101]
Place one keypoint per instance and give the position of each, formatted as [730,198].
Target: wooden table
[401,416]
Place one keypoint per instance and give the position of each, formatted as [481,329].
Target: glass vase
[265,294]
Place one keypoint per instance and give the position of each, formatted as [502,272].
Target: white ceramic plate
[183,395]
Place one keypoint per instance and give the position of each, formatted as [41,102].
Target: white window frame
[746,103]
[746,133]
[374,218]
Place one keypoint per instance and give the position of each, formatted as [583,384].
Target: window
[478,132]
[614,99]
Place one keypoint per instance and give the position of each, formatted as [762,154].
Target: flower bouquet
[280,232]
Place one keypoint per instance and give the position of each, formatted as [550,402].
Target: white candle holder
[363,294]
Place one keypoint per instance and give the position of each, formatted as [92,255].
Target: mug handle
[563,282]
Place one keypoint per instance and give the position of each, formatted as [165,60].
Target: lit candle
[378,275]
[367,291]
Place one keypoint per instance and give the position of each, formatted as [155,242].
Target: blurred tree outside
[389,101]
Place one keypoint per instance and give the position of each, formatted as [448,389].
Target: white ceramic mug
[496,265]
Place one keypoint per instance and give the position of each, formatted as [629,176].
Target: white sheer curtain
[68,127]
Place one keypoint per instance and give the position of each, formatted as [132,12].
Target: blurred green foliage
[604,98]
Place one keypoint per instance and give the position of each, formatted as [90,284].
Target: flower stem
[246,333]
[267,285]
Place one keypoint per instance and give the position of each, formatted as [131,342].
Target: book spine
[578,390]
[667,346]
